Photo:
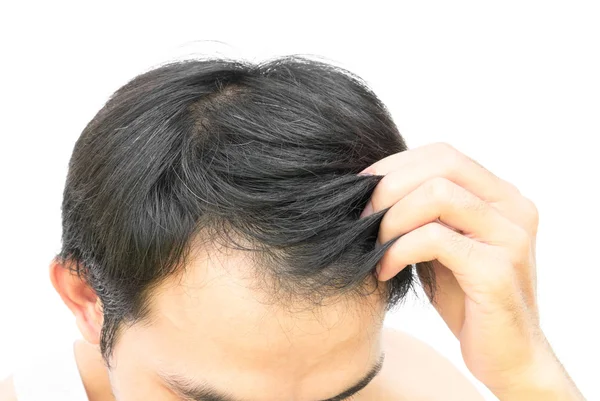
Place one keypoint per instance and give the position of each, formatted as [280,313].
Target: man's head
[211,232]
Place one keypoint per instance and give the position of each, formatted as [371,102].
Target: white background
[513,84]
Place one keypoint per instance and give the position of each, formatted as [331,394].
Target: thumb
[448,297]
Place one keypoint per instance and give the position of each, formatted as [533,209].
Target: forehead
[213,322]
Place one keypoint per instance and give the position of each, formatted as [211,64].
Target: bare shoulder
[416,370]
[7,390]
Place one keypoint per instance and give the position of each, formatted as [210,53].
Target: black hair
[226,150]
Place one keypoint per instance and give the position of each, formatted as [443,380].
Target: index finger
[418,165]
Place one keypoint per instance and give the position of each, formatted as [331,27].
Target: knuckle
[453,161]
[532,212]
[435,232]
[389,184]
[439,189]
[451,158]
[443,147]
[444,191]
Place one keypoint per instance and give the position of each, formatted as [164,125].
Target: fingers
[439,198]
[468,259]
[404,171]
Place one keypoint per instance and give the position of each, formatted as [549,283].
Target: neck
[93,372]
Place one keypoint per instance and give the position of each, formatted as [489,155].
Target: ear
[80,298]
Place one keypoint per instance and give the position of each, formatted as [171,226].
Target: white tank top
[54,377]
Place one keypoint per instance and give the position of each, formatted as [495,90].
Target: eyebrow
[193,391]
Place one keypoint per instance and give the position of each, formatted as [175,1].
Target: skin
[479,231]
[258,349]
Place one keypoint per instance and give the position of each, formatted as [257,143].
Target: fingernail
[367,211]
[365,173]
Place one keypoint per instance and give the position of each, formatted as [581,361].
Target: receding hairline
[270,288]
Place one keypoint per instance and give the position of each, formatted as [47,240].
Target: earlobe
[80,298]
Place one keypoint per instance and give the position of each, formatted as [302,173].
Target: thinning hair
[220,149]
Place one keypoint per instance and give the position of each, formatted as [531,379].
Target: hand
[480,232]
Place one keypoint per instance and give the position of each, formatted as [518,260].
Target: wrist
[544,379]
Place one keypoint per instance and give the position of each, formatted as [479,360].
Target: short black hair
[229,151]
